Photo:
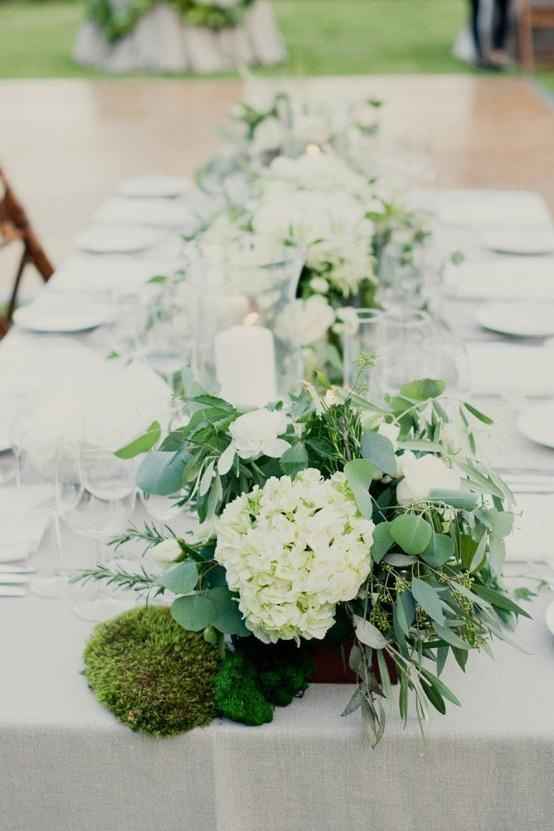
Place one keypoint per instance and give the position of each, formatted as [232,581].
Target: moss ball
[152,674]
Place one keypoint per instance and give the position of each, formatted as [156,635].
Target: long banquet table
[66,764]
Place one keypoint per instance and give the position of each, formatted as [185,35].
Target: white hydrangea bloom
[320,172]
[292,551]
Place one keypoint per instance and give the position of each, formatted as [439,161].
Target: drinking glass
[103,508]
[410,345]
[358,344]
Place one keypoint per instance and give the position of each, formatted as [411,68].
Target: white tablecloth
[66,764]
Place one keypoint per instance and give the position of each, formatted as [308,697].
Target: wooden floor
[66,144]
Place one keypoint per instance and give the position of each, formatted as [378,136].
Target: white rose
[305,321]
[423,475]
[167,551]
[319,284]
[255,434]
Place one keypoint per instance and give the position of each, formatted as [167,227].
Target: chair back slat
[15,225]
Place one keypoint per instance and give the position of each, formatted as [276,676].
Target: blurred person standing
[484,44]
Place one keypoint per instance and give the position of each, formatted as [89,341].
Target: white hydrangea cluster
[293,550]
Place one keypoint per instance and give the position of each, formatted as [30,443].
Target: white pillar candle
[245,365]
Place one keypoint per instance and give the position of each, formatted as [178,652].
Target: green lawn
[323,37]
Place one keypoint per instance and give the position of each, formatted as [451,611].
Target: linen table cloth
[67,765]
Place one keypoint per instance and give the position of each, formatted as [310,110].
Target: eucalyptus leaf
[480,552]
[368,634]
[441,687]
[206,480]
[294,459]
[442,657]
[428,598]
[142,444]
[462,500]
[405,611]
[485,419]
[379,451]
[423,389]
[194,612]
[181,579]
[446,634]
[382,541]
[439,550]
[359,475]
[500,601]
[161,473]
[411,532]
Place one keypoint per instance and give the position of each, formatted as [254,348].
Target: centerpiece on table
[373,533]
[201,36]
[267,125]
[350,237]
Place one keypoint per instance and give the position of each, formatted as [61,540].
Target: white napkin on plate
[24,515]
[532,539]
[154,213]
[505,278]
[113,272]
[506,369]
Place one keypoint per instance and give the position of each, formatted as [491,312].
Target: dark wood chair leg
[19,274]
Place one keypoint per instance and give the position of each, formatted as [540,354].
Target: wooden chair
[15,226]
[533,15]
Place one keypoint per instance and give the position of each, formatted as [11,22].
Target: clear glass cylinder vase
[244,289]
[406,345]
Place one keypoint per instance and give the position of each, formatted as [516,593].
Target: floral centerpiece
[354,243]
[375,532]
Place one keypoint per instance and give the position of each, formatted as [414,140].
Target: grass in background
[331,37]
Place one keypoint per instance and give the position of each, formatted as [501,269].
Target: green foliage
[117,22]
[256,677]
[238,695]
[283,669]
[152,675]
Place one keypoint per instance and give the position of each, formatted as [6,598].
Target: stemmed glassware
[104,501]
[405,345]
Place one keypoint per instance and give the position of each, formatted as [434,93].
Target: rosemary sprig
[120,578]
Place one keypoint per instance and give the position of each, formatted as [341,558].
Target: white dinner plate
[62,317]
[153,187]
[527,242]
[537,424]
[525,320]
[104,239]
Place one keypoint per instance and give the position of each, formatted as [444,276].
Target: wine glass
[103,508]
[411,345]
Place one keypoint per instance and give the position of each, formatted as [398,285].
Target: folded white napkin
[24,515]
[484,208]
[532,538]
[113,272]
[505,278]
[505,369]
[155,213]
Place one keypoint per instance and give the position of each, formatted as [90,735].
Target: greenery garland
[117,23]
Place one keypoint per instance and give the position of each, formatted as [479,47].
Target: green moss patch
[151,674]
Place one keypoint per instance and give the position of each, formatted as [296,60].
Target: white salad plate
[104,239]
[537,424]
[527,242]
[63,317]
[155,187]
[524,320]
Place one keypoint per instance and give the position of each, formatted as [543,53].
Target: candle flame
[252,319]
